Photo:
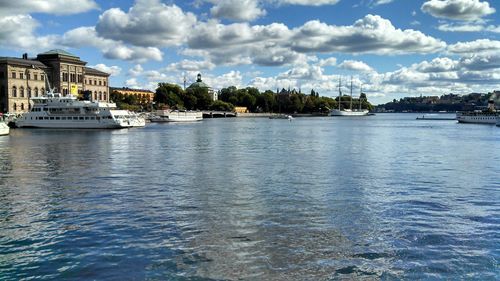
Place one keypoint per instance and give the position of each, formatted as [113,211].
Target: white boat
[176,116]
[4,129]
[349,111]
[488,116]
[57,111]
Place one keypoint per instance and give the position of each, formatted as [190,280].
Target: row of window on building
[21,92]
[14,75]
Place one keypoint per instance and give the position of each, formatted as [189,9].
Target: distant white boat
[350,111]
[176,116]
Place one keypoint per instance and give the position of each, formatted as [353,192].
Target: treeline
[449,102]
[285,101]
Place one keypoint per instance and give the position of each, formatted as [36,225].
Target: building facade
[23,78]
[143,96]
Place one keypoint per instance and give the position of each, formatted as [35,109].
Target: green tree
[219,105]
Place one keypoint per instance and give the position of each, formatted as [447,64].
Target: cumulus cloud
[355,66]
[56,7]
[239,10]
[87,36]
[372,34]
[190,65]
[465,10]
[112,70]
[17,33]
[475,47]
[147,23]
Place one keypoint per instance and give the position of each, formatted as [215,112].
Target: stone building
[23,78]
[143,96]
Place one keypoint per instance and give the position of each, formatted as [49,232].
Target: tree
[169,94]
[219,105]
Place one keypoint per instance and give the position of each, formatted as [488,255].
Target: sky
[390,48]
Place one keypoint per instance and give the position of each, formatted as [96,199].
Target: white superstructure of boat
[176,116]
[4,129]
[349,111]
[488,116]
[57,111]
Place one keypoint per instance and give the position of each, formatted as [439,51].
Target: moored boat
[57,111]
[348,111]
[488,116]
[176,116]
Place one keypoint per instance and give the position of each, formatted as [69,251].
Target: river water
[383,197]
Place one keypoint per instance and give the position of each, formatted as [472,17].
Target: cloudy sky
[394,48]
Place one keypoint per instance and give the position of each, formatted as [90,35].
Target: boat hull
[337,112]
[174,116]
[72,125]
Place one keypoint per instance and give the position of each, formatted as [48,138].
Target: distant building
[200,84]
[23,78]
[241,109]
[144,96]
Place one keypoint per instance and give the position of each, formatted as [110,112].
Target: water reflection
[317,198]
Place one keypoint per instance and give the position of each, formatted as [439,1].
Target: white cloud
[190,65]
[136,70]
[468,27]
[457,9]
[372,34]
[328,62]
[147,23]
[475,47]
[112,70]
[382,2]
[56,7]
[355,66]
[17,33]
[87,36]
[240,10]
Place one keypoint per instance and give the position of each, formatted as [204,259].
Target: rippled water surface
[385,197]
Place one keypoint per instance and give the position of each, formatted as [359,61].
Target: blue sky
[394,48]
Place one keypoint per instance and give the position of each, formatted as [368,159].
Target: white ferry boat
[488,116]
[56,111]
[177,116]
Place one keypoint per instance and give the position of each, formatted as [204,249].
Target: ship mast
[360,92]
[340,90]
[350,106]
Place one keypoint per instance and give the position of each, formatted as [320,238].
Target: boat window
[63,118]
[51,118]
[81,118]
[45,118]
[87,118]
[58,118]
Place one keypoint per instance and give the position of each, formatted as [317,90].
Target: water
[385,197]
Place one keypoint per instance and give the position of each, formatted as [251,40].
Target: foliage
[127,102]
[219,105]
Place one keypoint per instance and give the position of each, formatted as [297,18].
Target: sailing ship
[348,112]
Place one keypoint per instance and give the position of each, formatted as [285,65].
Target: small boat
[280,116]
[176,116]
[434,117]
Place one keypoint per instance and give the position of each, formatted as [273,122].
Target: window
[100,83]
[104,82]
[15,106]
[22,106]
[14,92]
[100,95]
[65,77]
[42,91]
[14,75]
[28,75]
[80,78]
[21,92]
[35,76]
[21,75]
[72,77]
[36,92]
[42,77]
[95,82]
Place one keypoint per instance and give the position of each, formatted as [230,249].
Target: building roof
[23,62]
[92,71]
[199,83]
[59,52]
[130,90]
